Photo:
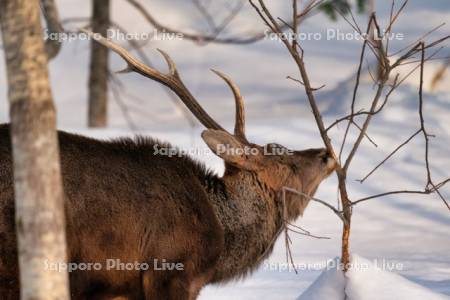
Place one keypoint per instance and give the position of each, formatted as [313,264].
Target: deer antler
[239,123]
[173,81]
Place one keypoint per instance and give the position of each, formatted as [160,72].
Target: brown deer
[178,224]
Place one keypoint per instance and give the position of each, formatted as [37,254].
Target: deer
[183,225]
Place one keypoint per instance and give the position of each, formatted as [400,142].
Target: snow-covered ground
[365,280]
[409,232]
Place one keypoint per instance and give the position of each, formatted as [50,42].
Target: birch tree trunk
[40,224]
[98,78]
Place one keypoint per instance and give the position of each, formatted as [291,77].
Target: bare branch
[335,210]
[421,38]
[416,49]
[390,155]
[442,183]
[270,21]
[285,226]
[422,121]
[308,234]
[171,80]
[146,60]
[206,15]
[366,123]
[304,231]
[386,67]
[393,19]
[435,188]
[365,134]
[355,89]
[299,81]
[425,192]
[424,131]
[430,187]
[209,38]
[50,12]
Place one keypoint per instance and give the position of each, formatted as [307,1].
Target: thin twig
[422,120]
[426,192]
[146,60]
[335,210]
[299,81]
[209,38]
[365,134]
[392,20]
[430,187]
[365,124]
[355,89]
[422,37]
[390,155]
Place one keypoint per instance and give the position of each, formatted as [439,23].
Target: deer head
[274,165]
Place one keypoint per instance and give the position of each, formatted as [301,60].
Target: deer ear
[230,149]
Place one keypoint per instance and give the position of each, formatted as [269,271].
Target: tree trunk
[40,223]
[98,79]
[347,217]
[54,26]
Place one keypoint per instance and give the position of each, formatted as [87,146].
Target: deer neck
[250,216]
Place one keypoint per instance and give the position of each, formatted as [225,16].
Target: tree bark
[50,11]
[40,223]
[98,79]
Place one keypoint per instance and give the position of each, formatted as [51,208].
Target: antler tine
[239,124]
[171,80]
[170,63]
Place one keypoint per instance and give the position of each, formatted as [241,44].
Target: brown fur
[124,202]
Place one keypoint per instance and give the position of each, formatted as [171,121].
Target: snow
[410,230]
[329,285]
[365,280]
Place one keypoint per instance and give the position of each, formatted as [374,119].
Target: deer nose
[331,161]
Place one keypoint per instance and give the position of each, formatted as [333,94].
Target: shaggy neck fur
[250,217]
